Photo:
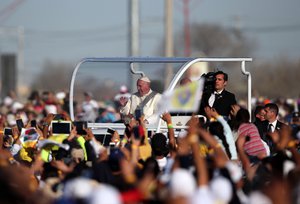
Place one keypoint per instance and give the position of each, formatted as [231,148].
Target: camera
[209,82]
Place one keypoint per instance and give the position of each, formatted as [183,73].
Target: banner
[46,143]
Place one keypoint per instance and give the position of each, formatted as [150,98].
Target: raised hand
[123,101]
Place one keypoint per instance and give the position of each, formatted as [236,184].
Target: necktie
[270,128]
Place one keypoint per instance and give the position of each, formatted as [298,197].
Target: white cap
[123,89]
[60,95]
[79,188]
[182,183]
[8,101]
[105,194]
[221,189]
[258,197]
[145,79]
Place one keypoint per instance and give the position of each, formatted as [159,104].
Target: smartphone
[138,113]
[110,131]
[33,123]
[80,125]
[7,131]
[112,145]
[61,127]
[136,132]
[20,124]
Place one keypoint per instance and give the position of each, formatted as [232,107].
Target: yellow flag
[182,99]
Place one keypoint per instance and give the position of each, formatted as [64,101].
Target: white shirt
[274,123]
[212,98]
[149,109]
[89,109]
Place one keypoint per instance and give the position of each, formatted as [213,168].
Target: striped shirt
[255,145]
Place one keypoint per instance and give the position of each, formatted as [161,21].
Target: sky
[69,30]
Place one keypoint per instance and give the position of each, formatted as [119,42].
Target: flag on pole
[29,137]
[182,99]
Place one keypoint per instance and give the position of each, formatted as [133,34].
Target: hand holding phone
[7,131]
[61,127]
[20,124]
[80,126]
[110,131]
[33,123]
[138,114]
[136,132]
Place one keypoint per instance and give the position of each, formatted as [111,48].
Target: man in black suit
[259,119]
[219,98]
[271,115]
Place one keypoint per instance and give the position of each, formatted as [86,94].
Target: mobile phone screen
[138,114]
[20,124]
[79,127]
[7,131]
[33,123]
[63,127]
[112,145]
[136,132]
[110,131]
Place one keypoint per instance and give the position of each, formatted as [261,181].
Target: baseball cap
[182,183]
[221,189]
[123,89]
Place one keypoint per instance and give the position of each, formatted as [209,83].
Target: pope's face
[143,87]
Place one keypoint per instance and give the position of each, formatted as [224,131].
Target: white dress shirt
[274,123]
[212,98]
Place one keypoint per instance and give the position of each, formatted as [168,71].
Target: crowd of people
[228,158]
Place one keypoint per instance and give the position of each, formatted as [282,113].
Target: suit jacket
[222,103]
[279,125]
[261,126]
[267,138]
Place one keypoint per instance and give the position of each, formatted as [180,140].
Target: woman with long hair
[254,145]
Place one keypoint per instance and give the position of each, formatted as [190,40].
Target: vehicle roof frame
[187,60]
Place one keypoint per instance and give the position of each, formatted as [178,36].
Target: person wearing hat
[144,99]
[122,93]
